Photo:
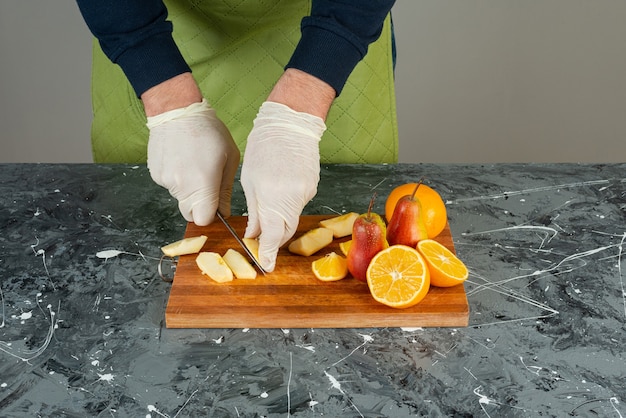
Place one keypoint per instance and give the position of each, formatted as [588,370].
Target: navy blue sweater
[136,35]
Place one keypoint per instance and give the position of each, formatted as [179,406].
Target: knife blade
[240,242]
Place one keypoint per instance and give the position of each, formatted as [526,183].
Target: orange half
[398,277]
[446,269]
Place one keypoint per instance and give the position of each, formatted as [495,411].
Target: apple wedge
[311,241]
[240,266]
[184,246]
[340,225]
[253,246]
[213,265]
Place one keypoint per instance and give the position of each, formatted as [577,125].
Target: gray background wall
[477,81]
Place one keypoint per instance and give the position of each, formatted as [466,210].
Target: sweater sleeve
[336,36]
[137,36]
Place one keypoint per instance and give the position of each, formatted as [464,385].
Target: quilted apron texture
[237,50]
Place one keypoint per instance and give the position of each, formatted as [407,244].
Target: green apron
[237,50]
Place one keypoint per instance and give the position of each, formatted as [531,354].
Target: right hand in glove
[193,155]
[279,175]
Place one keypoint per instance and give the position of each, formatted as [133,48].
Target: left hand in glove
[193,155]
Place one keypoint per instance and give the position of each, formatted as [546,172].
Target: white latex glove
[192,154]
[280,173]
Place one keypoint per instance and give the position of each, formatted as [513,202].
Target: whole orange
[434,209]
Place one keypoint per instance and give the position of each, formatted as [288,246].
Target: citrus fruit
[330,268]
[344,246]
[398,277]
[446,269]
[434,211]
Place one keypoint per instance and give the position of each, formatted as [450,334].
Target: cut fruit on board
[292,297]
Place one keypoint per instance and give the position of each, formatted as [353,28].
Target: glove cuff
[192,109]
[279,113]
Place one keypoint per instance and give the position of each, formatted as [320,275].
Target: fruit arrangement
[398,259]
[396,256]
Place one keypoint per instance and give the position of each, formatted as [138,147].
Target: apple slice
[312,241]
[184,246]
[253,246]
[340,225]
[240,266]
[214,266]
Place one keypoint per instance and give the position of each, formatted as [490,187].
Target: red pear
[407,225]
[368,238]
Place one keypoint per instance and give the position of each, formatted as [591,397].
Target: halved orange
[398,277]
[330,268]
[446,269]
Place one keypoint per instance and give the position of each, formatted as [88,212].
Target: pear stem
[371,205]
[419,183]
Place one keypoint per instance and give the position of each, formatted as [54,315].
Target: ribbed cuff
[326,55]
[150,63]
[274,113]
[174,114]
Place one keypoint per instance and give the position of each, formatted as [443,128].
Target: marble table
[82,305]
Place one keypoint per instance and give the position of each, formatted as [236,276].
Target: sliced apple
[213,265]
[253,246]
[240,266]
[312,241]
[340,225]
[184,246]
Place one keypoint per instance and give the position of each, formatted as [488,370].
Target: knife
[240,242]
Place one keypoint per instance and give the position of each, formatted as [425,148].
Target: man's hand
[281,164]
[279,175]
[192,154]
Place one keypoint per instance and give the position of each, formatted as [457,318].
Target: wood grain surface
[292,297]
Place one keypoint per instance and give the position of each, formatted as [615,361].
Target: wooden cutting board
[291,296]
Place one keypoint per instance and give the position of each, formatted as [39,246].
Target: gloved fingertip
[203,218]
[268,251]
[201,222]
[188,217]
[268,264]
